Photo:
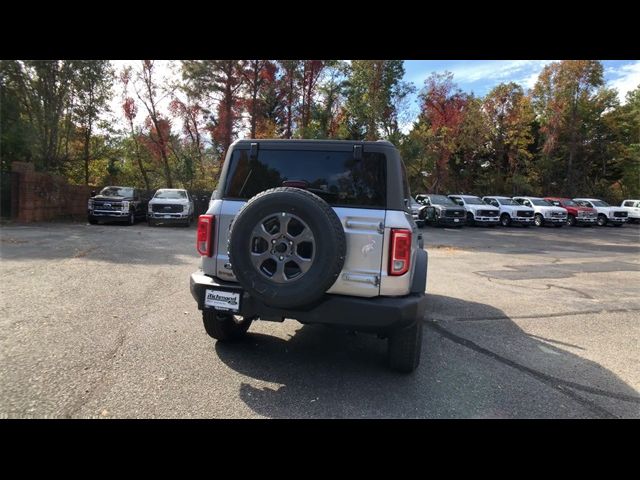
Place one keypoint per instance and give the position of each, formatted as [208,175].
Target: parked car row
[459,210]
[127,204]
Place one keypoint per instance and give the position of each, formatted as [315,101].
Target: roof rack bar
[357,152]
[253,153]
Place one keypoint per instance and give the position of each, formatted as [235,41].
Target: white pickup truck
[616,216]
[545,213]
[633,210]
[478,212]
[511,212]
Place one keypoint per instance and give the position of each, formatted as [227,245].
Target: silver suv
[317,231]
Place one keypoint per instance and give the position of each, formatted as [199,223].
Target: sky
[477,76]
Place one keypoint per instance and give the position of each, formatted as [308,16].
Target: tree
[147,91]
[258,76]
[470,157]
[442,112]
[373,92]
[570,99]
[92,83]
[509,116]
[311,72]
[17,135]
[130,110]
[328,112]
[217,83]
[290,92]
[45,93]
[622,168]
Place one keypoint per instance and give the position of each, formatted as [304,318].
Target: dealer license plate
[222,300]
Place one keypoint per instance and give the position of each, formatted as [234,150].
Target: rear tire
[224,326]
[405,347]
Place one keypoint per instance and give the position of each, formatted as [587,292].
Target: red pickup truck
[576,214]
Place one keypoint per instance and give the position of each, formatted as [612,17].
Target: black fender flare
[419,283]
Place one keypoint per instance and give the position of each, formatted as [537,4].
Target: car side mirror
[93,193]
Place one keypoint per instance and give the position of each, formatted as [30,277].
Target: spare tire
[287,247]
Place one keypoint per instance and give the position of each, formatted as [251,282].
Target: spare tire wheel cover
[287,247]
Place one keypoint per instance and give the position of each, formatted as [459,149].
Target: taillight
[400,254]
[204,240]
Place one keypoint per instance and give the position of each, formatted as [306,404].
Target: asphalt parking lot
[98,322]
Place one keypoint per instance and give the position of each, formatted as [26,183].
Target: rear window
[336,177]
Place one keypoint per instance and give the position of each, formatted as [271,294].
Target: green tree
[92,83]
[509,116]
[373,92]
[625,120]
[569,100]
[17,135]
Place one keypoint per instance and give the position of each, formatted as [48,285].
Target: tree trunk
[87,140]
[138,158]
[254,109]
[289,105]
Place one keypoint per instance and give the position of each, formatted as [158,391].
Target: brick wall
[42,197]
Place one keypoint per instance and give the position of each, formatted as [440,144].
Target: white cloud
[628,78]
[469,71]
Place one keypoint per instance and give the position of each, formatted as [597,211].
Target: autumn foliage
[568,134]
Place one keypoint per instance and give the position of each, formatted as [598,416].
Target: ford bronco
[319,231]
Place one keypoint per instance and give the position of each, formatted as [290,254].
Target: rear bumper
[378,314]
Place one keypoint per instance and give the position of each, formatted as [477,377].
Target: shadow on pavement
[466,372]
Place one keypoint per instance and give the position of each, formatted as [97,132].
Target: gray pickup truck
[317,231]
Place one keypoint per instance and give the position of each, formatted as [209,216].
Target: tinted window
[627,204]
[507,201]
[334,176]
